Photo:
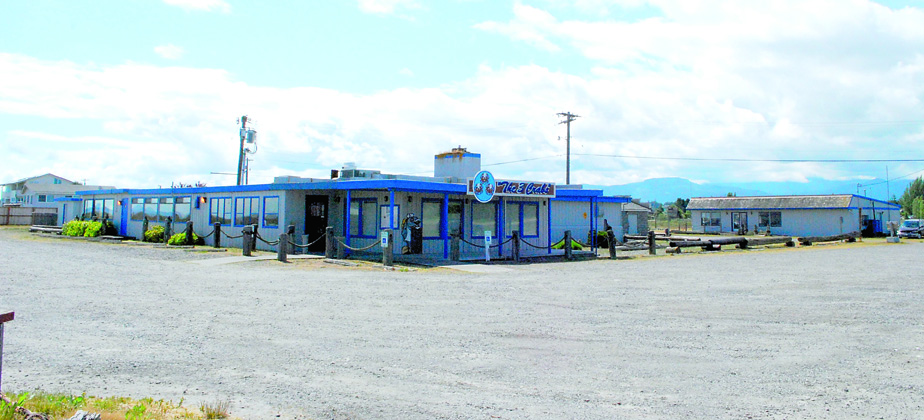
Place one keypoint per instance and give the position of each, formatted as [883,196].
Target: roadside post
[217,234]
[290,231]
[516,246]
[246,246]
[487,246]
[652,250]
[189,233]
[388,255]
[168,229]
[329,244]
[454,254]
[282,247]
[611,241]
[4,318]
[567,245]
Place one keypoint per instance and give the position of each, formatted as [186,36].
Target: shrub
[93,229]
[74,228]
[154,234]
[180,239]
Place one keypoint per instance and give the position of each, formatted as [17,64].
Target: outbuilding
[794,215]
[360,204]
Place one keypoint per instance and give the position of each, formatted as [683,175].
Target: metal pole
[4,318]
[240,158]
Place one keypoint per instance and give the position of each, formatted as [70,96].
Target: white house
[797,215]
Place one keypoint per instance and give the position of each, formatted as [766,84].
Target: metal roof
[839,201]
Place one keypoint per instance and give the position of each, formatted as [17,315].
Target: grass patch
[63,406]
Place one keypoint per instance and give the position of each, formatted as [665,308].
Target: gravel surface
[827,332]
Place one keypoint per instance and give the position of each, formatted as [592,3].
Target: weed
[217,410]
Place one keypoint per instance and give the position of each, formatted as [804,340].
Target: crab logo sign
[483,186]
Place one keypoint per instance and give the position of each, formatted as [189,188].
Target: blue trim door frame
[123,220]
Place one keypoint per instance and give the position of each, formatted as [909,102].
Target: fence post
[4,318]
[341,251]
[611,241]
[168,229]
[144,227]
[651,243]
[217,234]
[246,247]
[253,239]
[516,246]
[290,232]
[454,248]
[282,247]
[567,245]
[329,249]
[189,233]
[388,249]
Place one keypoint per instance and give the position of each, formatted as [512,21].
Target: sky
[147,93]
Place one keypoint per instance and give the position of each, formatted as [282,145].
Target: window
[431,215]
[712,219]
[150,209]
[220,211]
[57,181]
[271,212]
[521,217]
[484,217]
[182,209]
[246,210]
[42,198]
[108,205]
[770,219]
[455,217]
[166,209]
[88,209]
[137,209]
[386,221]
[362,217]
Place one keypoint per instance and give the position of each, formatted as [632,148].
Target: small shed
[795,215]
[635,219]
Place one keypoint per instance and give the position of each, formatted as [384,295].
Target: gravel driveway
[827,332]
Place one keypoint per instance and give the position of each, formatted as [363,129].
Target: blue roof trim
[878,201]
[67,199]
[371,184]
[788,208]
[614,199]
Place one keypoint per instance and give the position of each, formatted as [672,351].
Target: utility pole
[240,158]
[568,118]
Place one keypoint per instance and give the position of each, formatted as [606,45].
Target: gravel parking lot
[827,332]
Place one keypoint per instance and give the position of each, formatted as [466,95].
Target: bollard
[567,245]
[515,249]
[388,249]
[341,251]
[246,247]
[217,234]
[189,233]
[144,227]
[651,243]
[329,245]
[253,239]
[282,247]
[290,233]
[611,241]
[454,247]
[4,318]
[168,229]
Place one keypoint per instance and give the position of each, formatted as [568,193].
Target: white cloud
[169,51]
[406,72]
[386,6]
[204,5]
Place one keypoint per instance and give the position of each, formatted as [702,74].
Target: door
[123,218]
[633,224]
[315,220]
[740,222]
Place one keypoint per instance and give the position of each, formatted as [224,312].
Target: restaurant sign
[484,187]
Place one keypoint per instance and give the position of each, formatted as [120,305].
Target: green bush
[93,229]
[180,239]
[154,234]
[561,244]
[75,228]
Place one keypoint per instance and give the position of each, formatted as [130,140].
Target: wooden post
[217,234]
[329,248]
[4,318]
[189,233]
[341,251]
[515,249]
[611,241]
[253,239]
[454,251]
[282,247]
[144,227]
[290,232]
[246,246]
[168,229]
[652,250]
[567,245]
[388,248]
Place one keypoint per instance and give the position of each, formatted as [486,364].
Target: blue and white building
[360,204]
[796,215]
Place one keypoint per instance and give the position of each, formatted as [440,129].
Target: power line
[751,160]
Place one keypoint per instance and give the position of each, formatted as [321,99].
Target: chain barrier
[472,244]
[534,246]
[492,246]
[210,234]
[374,244]
[270,243]
[232,237]
[291,242]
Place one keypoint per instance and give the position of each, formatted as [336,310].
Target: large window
[150,209]
[271,212]
[770,219]
[166,209]
[712,219]
[522,217]
[431,215]
[98,209]
[88,210]
[108,205]
[455,217]
[137,209]
[220,211]
[483,218]
[42,198]
[246,210]
[362,217]
[182,209]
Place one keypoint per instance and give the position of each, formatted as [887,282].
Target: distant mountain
[669,189]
